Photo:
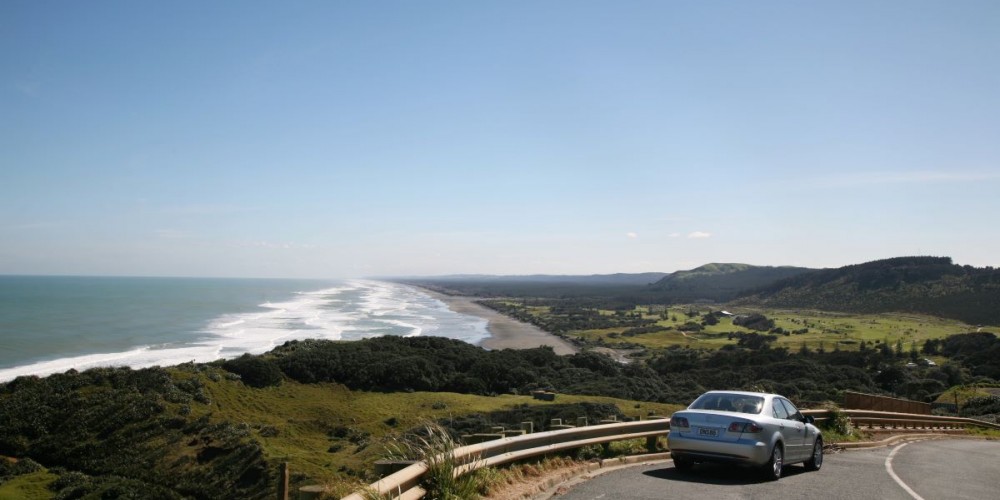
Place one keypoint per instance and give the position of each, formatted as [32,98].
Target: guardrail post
[528,427]
[581,421]
[651,444]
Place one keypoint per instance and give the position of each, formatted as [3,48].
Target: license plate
[705,431]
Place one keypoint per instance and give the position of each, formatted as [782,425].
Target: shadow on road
[718,474]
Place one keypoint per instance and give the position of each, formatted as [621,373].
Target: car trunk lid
[710,425]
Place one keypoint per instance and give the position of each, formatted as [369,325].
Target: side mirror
[809,419]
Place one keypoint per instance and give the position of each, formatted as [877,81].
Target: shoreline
[505,332]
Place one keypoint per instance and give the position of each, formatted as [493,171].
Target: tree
[931,347]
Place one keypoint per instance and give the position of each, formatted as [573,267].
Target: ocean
[51,324]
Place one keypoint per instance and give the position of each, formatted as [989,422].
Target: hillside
[588,279]
[620,288]
[720,282]
[711,282]
[926,285]
[221,430]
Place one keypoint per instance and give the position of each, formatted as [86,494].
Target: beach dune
[505,332]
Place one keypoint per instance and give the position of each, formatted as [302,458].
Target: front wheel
[772,469]
[816,460]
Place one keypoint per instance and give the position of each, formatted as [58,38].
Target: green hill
[926,285]
[719,282]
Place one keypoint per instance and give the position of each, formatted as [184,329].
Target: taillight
[678,422]
[750,427]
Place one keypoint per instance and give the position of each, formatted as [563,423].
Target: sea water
[52,324]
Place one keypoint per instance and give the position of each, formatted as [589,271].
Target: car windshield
[721,401]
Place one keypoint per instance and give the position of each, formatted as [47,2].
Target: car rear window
[720,401]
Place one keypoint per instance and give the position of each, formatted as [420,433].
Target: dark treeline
[567,315]
[435,364]
[676,375]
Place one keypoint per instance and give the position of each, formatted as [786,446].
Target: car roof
[747,393]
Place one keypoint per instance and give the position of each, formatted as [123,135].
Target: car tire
[772,469]
[816,460]
[683,464]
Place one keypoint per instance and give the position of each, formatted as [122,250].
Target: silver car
[749,428]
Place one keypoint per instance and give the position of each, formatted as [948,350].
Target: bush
[255,371]
[837,421]
[755,321]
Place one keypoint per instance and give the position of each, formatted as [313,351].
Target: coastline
[505,332]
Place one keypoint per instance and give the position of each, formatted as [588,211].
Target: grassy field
[323,430]
[813,329]
[32,486]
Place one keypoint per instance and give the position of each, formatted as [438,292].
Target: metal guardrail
[888,419]
[404,484]
[501,451]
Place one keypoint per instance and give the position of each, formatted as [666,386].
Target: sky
[336,139]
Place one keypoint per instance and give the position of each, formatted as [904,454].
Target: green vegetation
[654,327]
[29,486]
[436,446]
[330,409]
[931,286]
[718,282]
[199,431]
[24,478]
[924,285]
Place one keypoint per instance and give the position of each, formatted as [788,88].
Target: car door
[787,429]
[796,439]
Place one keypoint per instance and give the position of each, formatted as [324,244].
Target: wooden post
[283,482]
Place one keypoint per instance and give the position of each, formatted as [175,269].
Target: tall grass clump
[445,478]
[838,425]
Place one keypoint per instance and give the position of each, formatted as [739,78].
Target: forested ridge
[719,282]
[925,285]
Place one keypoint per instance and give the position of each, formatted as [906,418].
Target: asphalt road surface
[923,470]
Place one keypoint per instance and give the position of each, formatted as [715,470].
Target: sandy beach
[505,332]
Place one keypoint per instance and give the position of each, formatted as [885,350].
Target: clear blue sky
[341,139]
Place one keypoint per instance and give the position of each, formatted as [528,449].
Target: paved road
[946,469]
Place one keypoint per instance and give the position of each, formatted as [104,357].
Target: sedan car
[748,428]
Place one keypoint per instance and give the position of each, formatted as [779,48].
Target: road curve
[923,470]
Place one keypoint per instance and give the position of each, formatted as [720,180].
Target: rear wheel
[816,460]
[772,469]
[683,463]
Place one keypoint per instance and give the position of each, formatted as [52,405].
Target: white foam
[359,309]
[142,357]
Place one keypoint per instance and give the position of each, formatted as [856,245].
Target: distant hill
[609,289]
[720,282]
[590,279]
[928,285]
[711,282]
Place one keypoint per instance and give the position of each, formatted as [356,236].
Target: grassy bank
[327,430]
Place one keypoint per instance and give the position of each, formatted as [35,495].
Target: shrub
[255,371]
[837,421]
